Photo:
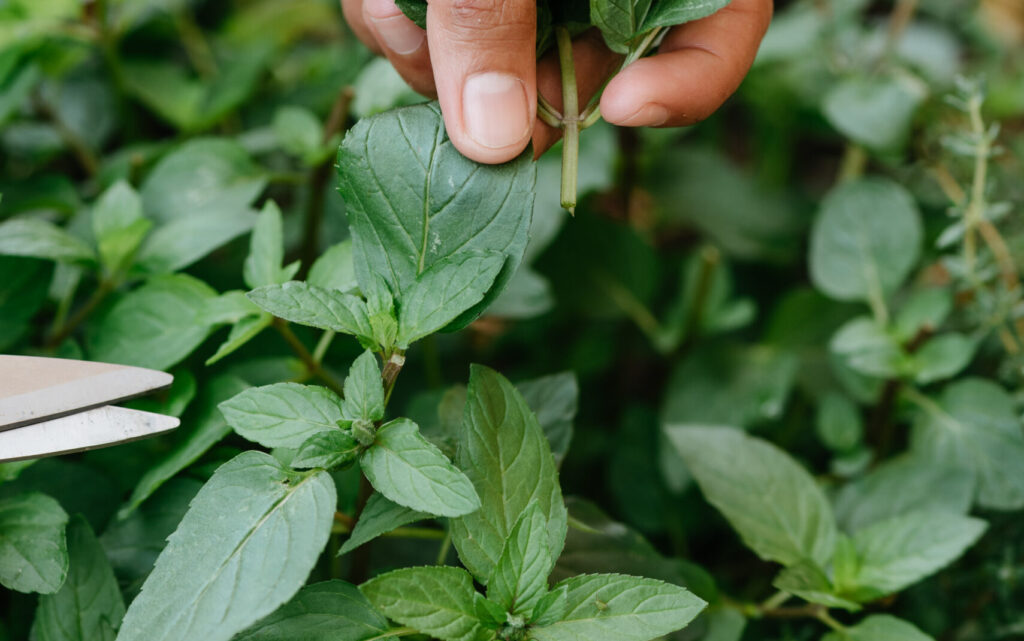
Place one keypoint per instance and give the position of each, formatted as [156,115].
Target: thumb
[484,57]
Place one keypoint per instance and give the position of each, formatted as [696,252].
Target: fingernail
[495,110]
[650,115]
[399,34]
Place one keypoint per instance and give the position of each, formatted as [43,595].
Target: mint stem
[570,120]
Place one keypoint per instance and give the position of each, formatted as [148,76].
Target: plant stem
[318,180]
[392,367]
[323,345]
[446,546]
[826,618]
[900,18]
[975,210]
[570,120]
[105,288]
[775,601]
[311,363]
[854,161]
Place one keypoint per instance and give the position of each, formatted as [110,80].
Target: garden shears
[51,406]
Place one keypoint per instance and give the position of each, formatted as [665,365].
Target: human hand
[478,57]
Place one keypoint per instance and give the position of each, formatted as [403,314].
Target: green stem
[974,212]
[775,601]
[393,365]
[446,546]
[321,347]
[312,365]
[105,288]
[570,120]
[826,618]
[854,161]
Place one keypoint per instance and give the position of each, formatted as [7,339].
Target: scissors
[51,406]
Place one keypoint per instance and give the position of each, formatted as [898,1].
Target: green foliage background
[803,315]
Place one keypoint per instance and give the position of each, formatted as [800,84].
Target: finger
[485,67]
[699,65]
[404,44]
[353,10]
[595,62]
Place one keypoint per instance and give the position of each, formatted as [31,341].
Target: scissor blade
[88,430]
[34,389]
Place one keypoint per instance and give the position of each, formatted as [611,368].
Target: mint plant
[765,384]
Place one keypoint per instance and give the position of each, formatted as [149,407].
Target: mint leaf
[308,305]
[807,581]
[903,485]
[768,498]
[413,200]
[180,242]
[411,471]
[266,251]
[416,10]
[838,423]
[507,457]
[89,606]
[335,269]
[554,400]
[196,437]
[520,578]
[615,607]
[875,110]
[284,414]
[942,357]
[551,607]
[879,627]
[241,333]
[445,290]
[619,20]
[867,348]
[155,326]
[438,601]
[209,177]
[39,239]
[332,610]
[865,240]
[974,425]
[364,390]
[668,13]
[280,522]
[898,552]
[326,450]
[118,226]
[33,547]
[380,516]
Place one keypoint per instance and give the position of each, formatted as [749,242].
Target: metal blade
[89,430]
[34,389]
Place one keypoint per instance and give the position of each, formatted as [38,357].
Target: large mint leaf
[667,13]
[309,305]
[619,20]
[218,575]
[615,607]
[866,239]
[508,458]
[380,516]
[332,610]
[898,552]
[414,200]
[33,547]
[438,601]
[520,578]
[444,291]
[769,499]
[155,326]
[284,414]
[411,471]
[974,426]
[89,606]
